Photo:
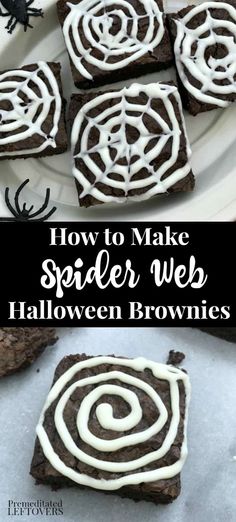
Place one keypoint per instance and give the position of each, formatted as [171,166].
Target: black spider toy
[25,214]
[19,12]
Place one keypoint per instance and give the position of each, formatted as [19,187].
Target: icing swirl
[129,164]
[62,391]
[106,34]
[27,98]
[215,76]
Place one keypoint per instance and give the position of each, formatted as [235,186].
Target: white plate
[213,139]
[209,475]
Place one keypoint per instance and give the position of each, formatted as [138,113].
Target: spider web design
[195,49]
[25,103]
[134,168]
[112,30]
[92,392]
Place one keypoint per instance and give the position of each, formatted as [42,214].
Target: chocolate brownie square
[129,144]
[20,347]
[204,41]
[108,41]
[116,425]
[32,112]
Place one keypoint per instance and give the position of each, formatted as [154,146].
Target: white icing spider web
[215,75]
[26,100]
[135,146]
[111,29]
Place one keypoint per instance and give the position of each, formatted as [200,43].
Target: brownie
[175,358]
[204,50]
[32,112]
[19,347]
[129,144]
[105,40]
[124,428]
[227,333]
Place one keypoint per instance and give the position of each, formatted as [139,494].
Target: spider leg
[25,209]
[8,203]
[36,14]
[29,2]
[47,215]
[44,205]
[3,14]
[26,25]
[11,29]
[9,23]
[16,198]
[33,10]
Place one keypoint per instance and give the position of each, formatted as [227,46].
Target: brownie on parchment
[129,144]
[20,347]
[95,427]
[109,41]
[204,52]
[175,358]
[32,112]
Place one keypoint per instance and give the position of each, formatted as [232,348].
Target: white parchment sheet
[209,475]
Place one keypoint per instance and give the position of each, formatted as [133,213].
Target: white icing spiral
[29,100]
[132,166]
[216,76]
[112,29]
[104,414]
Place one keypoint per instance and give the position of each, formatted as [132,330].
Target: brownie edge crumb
[175,358]
[20,347]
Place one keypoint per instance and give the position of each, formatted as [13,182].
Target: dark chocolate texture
[78,102]
[159,58]
[217,51]
[20,347]
[161,491]
[16,148]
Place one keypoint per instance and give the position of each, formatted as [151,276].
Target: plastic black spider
[25,214]
[19,12]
